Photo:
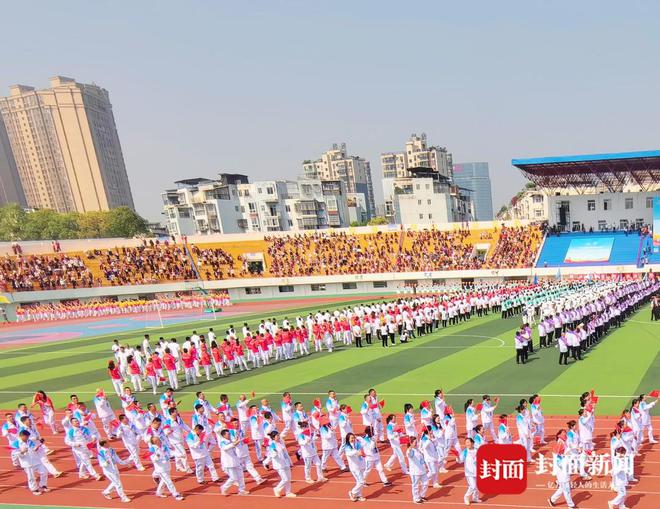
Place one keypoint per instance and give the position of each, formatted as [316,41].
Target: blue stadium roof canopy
[612,171]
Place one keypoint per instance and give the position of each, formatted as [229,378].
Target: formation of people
[109,307]
[226,441]
[22,273]
[577,317]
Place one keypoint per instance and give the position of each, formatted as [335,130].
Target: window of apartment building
[591,204]
[576,226]
[428,186]
[417,187]
[237,208]
[623,224]
[252,207]
[607,204]
[318,288]
[242,209]
[628,203]
[639,223]
[419,202]
[259,190]
[253,290]
[270,190]
[602,225]
[537,198]
[430,216]
[649,202]
[349,286]
[428,202]
[290,222]
[538,213]
[380,284]
[287,208]
[421,216]
[286,289]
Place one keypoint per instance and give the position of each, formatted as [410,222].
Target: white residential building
[427,198]
[232,204]
[353,171]
[528,205]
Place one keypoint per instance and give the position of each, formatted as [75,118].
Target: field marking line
[377,499]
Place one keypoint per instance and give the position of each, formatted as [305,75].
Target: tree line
[17,224]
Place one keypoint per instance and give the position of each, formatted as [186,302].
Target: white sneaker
[291,495]
[351,496]
[466,500]
[437,485]
[278,492]
[125,500]
[108,496]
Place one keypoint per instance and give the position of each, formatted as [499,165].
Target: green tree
[124,222]
[358,223]
[12,220]
[92,225]
[378,220]
[47,224]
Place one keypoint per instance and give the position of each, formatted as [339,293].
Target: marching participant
[537,419]
[108,460]
[48,410]
[487,411]
[561,469]
[198,444]
[418,472]
[431,456]
[176,431]
[130,436]
[503,435]
[356,464]
[468,457]
[105,412]
[372,456]
[394,436]
[160,457]
[329,447]
[24,450]
[231,463]
[471,417]
[281,462]
[309,453]
[80,440]
[619,478]
[344,422]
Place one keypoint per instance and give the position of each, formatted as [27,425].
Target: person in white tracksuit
[647,423]
[418,471]
[281,462]
[130,435]
[372,456]
[468,457]
[244,454]
[438,435]
[161,456]
[620,469]
[198,444]
[231,464]
[105,412]
[108,460]
[176,431]
[487,412]
[356,464]
[309,454]
[78,438]
[330,447]
[394,433]
[431,456]
[25,451]
[562,471]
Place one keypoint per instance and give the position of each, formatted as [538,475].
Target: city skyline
[248,89]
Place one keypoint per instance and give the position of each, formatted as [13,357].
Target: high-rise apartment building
[354,171]
[11,190]
[65,144]
[476,178]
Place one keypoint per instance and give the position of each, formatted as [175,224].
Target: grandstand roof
[612,171]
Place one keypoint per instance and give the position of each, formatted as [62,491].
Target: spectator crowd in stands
[42,272]
[318,253]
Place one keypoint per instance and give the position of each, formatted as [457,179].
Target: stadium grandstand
[601,207]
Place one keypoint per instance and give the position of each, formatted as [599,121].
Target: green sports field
[466,360]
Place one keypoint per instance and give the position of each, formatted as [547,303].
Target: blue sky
[257,87]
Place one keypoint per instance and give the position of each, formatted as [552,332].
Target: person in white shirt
[160,458]
[620,468]
[356,464]
[281,462]
[372,456]
[309,453]
[394,436]
[487,411]
[468,457]
[418,471]
[562,471]
[231,464]
[25,450]
[198,441]
[108,460]
[329,447]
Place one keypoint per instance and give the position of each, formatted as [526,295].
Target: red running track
[68,490]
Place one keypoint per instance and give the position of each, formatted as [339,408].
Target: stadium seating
[625,249]
[302,254]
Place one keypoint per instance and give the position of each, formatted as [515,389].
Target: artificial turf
[467,360]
